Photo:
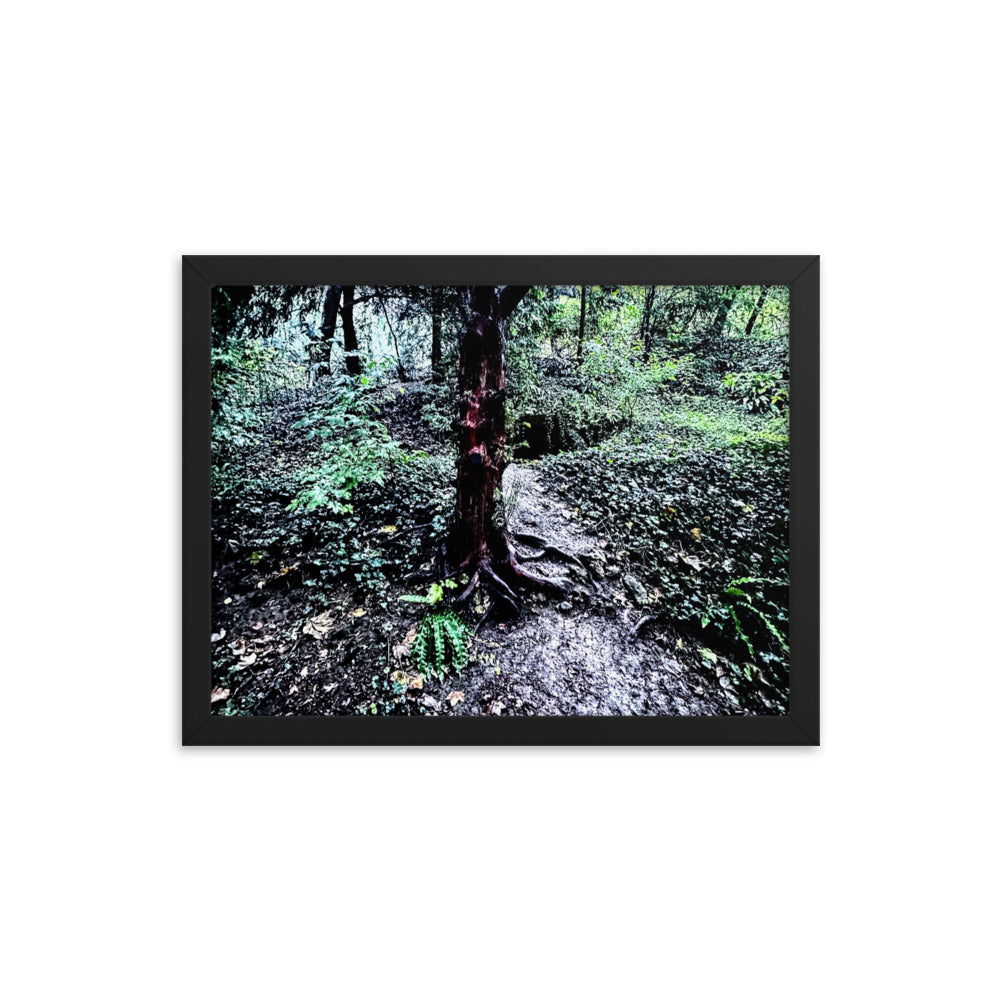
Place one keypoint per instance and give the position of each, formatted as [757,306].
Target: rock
[637,589]
[595,560]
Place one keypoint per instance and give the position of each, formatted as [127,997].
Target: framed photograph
[501,500]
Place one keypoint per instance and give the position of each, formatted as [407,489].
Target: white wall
[137,869]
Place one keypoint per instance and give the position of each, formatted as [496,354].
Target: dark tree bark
[644,323]
[478,543]
[583,322]
[758,305]
[353,362]
[437,372]
[320,351]
[328,329]
[482,431]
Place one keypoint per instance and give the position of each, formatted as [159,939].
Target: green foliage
[442,643]
[438,410]
[417,492]
[755,609]
[355,448]
[703,424]
[759,392]
[246,378]
[706,533]
[621,377]
[434,594]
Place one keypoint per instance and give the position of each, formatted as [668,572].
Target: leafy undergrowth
[703,534]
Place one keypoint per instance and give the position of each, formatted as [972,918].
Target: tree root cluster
[499,573]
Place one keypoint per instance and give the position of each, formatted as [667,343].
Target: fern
[442,641]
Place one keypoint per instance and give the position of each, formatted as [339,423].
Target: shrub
[759,392]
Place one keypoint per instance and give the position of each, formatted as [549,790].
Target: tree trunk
[644,324]
[758,305]
[320,351]
[722,313]
[353,362]
[401,371]
[437,373]
[331,306]
[583,322]
[482,431]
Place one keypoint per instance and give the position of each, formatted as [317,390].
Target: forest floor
[283,647]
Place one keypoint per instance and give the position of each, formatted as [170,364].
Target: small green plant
[434,594]
[442,641]
[755,617]
[443,638]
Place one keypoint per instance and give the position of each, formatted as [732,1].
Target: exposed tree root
[504,589]
[645,620]
[464,596]
[498,573]
[548,549]
[539,581]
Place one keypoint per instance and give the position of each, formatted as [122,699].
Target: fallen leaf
[221,634]
[248,661]
[303,672]
[387,529]
[319,625]
[219,694]
[239,647]
[358,613]
[418,682]
[455,697]
[697,533]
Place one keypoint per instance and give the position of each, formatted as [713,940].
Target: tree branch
[510,296]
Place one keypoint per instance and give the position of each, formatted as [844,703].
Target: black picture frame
[800,726]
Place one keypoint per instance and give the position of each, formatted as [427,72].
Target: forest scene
[500,500]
